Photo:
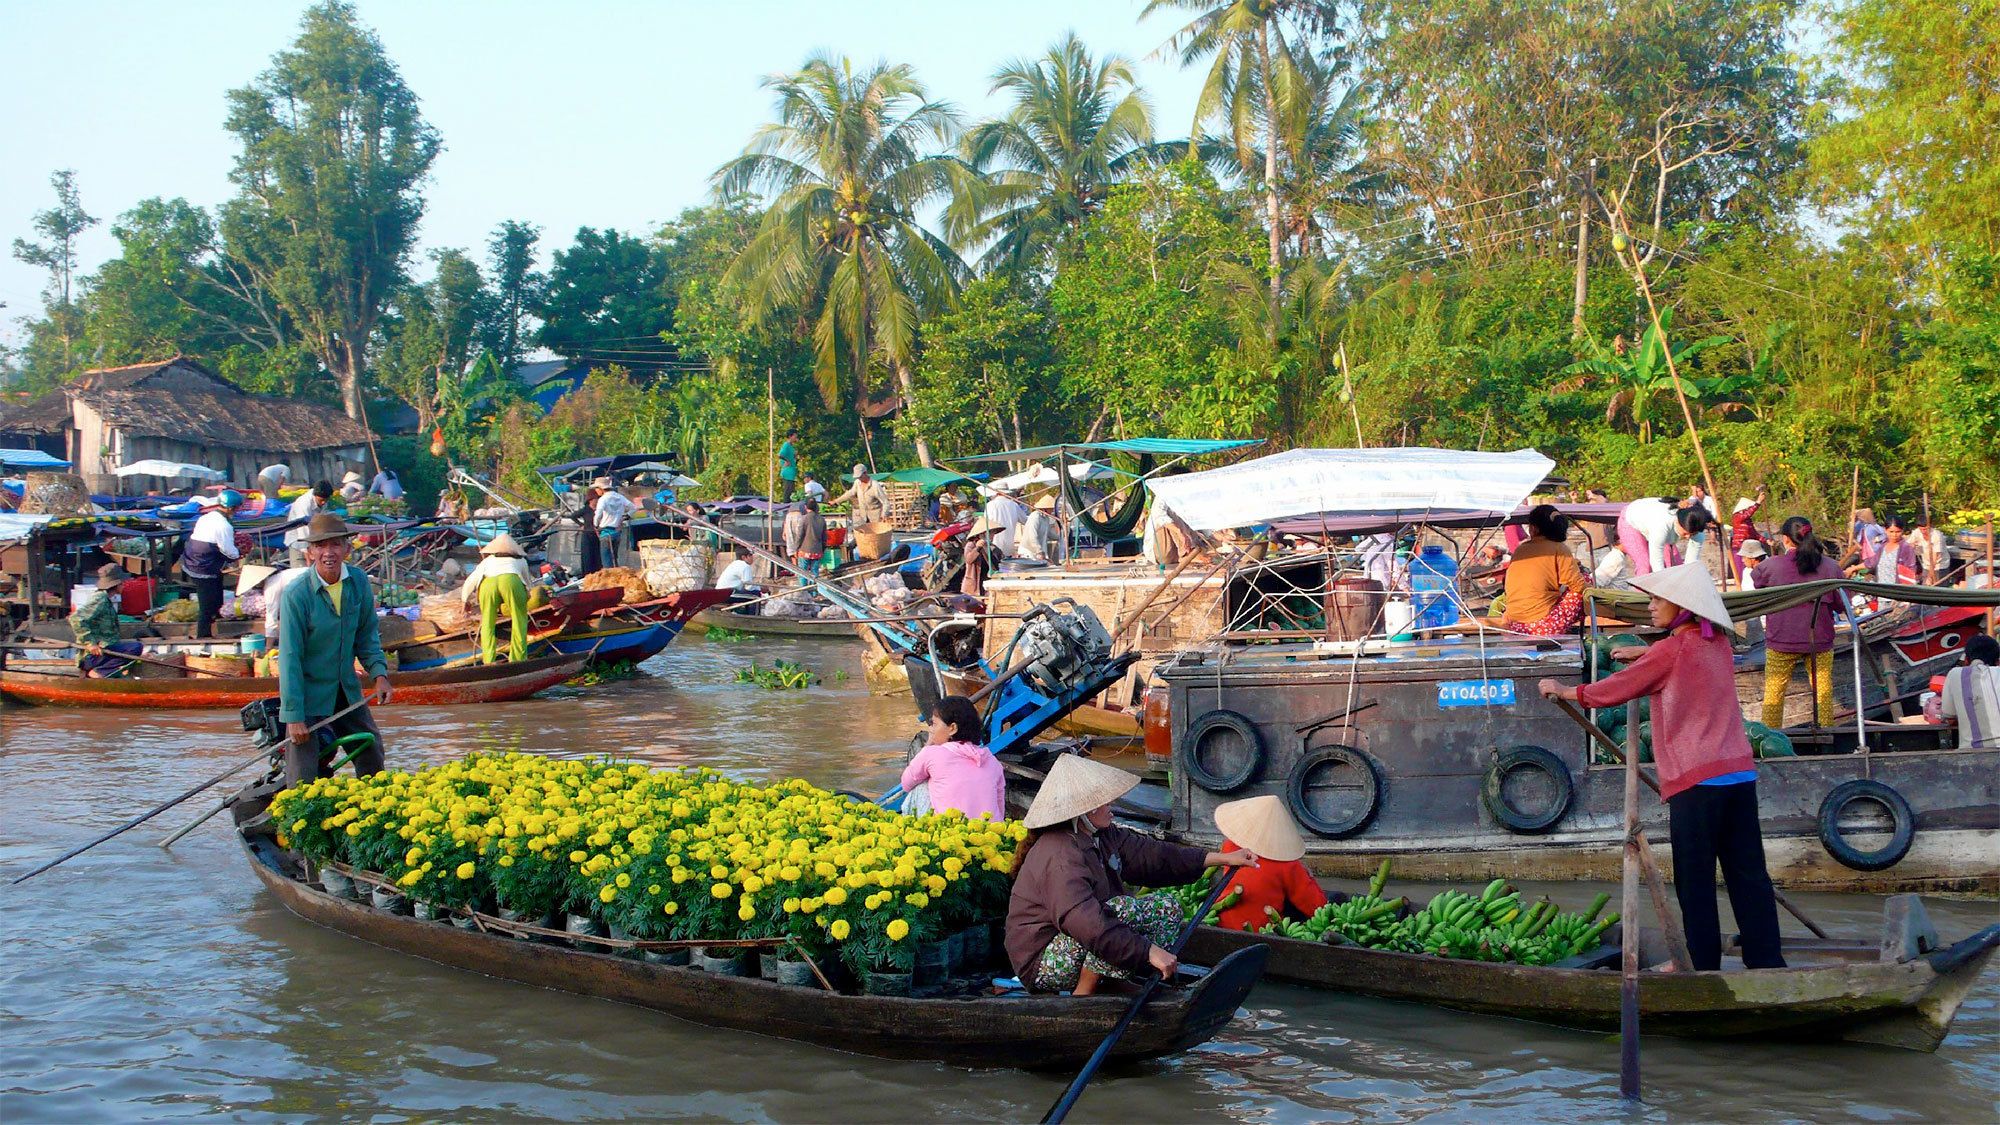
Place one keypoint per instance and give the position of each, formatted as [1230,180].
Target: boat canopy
[1413,483]
[623,462]
[169,470]
[1169,447]
[930,480]
[1375,522]
[1745,605]
[30,459]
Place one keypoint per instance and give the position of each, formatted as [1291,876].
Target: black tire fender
[1188,752]
[1903,820]
[1515,758]
[1301,779]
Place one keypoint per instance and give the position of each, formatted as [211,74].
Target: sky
[604,113]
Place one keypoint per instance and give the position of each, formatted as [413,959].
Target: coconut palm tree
[1077,124]
[851,160]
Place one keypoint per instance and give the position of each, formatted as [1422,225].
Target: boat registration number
[1476,693]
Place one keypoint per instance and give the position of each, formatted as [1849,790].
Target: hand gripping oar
[1067,1102]
[262,755]
[1618,753]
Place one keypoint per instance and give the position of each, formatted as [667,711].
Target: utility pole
[1582,261]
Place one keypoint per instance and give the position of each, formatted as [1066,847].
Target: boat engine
[261,719]
[1058,648]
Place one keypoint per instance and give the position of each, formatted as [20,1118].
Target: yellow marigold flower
[578,856]
[752,884]
[506,861]
[623,880]
[836,895]
[354,830]
[411,879]
[838,929]
[917,899]
[718,872]
[670,907]
[720,890]
[747,912]
[607,893]
[898,930]
[466,869]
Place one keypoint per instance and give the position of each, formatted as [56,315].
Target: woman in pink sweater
[1708,775]
[963,774]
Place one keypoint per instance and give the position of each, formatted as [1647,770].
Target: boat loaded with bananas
[1492,952]
[783,909]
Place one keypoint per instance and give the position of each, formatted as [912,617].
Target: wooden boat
[737,621]
[977,1031]
[606,633]
[483,683]
[1832,991]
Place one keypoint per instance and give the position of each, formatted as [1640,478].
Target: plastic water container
[80,594]
[1434,588]
[1398,617]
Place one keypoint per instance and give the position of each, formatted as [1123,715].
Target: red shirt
[1697,721]
[1273,883]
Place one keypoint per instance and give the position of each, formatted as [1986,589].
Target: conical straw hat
[1689,587]
[1262,825]
[253,576]
[503,544]
[1075,786]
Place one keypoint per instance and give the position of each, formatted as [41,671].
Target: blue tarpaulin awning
[1170,447]
[30,459]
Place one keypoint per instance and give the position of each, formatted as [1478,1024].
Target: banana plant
[1641,375]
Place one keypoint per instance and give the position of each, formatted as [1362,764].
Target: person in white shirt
[271,478]
[1037,538]
[1971,695]
[612,510]
[1753,553]
[1004,516]
[813,489]
[301,512]
[500,581]
[736,576]
[386,485]
[211,547]
[351,488]
[1650,531]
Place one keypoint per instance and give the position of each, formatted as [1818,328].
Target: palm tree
[1076,125]
[1255,71]
[852,158]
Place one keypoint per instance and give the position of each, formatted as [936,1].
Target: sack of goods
[445,611]
[894,600]
[790,605]
[675,566]
[832,613]
[619,577]
[884,585]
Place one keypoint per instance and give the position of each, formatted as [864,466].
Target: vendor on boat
[1971,695]
[1651,530]
[301,513]
[500,582]
[609,516]
[1038,534]
[1801,636]
[978,558]
[955,772]
[1708,774]
[805,535]
[267,586]
[352,487]
[866,501]
[788,466]
[1545,585]
[1069,921]
[211,546]
[95,624]
[1278,884]
[326,624]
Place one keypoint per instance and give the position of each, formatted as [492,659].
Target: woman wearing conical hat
[1069,920]
[500,581]
[1708,775]
[1279,885]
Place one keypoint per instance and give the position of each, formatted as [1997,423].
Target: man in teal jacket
[326,622]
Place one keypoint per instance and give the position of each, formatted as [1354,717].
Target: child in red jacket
[1278,881]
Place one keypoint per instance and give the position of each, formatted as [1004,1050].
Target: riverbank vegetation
[1391,222]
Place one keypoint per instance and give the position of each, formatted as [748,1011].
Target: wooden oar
[1065,1103]
[262,755]
[1646,776]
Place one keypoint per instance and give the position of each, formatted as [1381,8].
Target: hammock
[1124,518]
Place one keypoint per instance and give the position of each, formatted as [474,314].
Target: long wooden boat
[607,634]
[1832,990]
[725,617]
[977,1031]
[483,683]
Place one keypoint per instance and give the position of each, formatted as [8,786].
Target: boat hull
[1029,1032]
[722,617]
[493,683]
[1844,994]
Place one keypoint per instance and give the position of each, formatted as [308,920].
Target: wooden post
[1854,508]
[771,451]
[1347,384]
[1582,257]
[1628,913]
[1656,887]
[1992,582]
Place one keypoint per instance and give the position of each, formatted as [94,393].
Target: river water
[143,984]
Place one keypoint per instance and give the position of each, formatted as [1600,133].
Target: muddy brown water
[143,984]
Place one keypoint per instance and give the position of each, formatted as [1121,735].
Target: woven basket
[445,611]
[674,566]
[219,665]
[906,505]
[54,494]
[871,540]
[145,670]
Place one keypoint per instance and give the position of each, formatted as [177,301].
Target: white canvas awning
[169,470]
[1043,474]
[1310,482]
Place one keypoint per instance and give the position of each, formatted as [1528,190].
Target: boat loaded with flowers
[784,909]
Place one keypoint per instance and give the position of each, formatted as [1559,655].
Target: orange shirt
[1271,883]
[1536,578]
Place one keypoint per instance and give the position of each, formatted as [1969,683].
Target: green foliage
[986,381]
[1958,418]
[53,355]
[1645,374]
[605,298]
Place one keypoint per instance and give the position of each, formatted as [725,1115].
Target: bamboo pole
[1992,583]
[1347,384]
[770,451]
[1628,912]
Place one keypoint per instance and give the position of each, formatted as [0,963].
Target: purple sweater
[1802,628]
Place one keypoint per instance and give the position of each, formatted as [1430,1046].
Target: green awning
[930,479]
[1170,447]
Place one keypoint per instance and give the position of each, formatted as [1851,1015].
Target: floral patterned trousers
[1157,917]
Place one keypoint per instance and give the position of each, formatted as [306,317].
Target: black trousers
[1711,824]
[785,490]
[305,763]
[208,603]
[590,561]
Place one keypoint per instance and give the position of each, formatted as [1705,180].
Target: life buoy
[1208,732]
[1311,774]
[1902,820]
[1531,759]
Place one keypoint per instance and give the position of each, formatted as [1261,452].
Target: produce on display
[669,855]
[379,506]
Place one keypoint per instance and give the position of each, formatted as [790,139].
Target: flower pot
[394,902]
[798,972]
[767,965]
[586,925]
[336,884]
[430,912]
[464,922]
[931,968]
[886,984]
[978,942]
[954,953]
[622,934]
[547,922]
[678,957]
[726,961]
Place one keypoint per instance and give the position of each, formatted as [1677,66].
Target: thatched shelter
[178,410]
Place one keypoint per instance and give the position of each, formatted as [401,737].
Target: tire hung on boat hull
[1532,759]
[1310,773]
[1214,729]
[1902,819]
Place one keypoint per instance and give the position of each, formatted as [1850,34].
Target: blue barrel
[252,645]
[1433,588]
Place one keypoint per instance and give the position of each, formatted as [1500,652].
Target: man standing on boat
[211,546]
[326,624]
[1708,775]
[788,466]
[805,535]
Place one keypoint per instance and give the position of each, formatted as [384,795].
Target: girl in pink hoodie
[963,774]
